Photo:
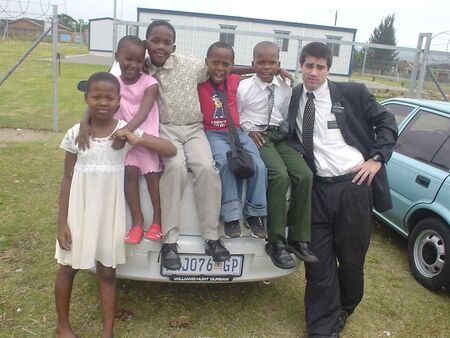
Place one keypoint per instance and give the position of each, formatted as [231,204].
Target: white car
[249,261]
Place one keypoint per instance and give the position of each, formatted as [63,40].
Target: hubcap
[429,253]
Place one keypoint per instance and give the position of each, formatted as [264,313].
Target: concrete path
[88,59]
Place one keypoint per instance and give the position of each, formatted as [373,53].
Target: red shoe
[134,236]
[154,233]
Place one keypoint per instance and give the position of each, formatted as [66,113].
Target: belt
[268,128]
[335,179]
[273,128]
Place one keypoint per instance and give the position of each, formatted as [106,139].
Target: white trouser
[193,152]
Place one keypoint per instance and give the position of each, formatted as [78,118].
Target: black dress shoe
[169,256]
[279,255]
[217,250]
[301,251]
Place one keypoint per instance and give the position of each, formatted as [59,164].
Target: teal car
[419,178]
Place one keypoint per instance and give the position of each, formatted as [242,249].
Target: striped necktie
[271,100]
[308,130]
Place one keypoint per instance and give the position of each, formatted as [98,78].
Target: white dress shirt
[252,102]
[332,155]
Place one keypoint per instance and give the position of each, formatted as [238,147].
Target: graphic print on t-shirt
[218,107]
[218,118]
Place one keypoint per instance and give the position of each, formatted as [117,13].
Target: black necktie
[308,129]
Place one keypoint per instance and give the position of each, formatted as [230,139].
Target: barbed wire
[42,8]
[440,41]
[15,9]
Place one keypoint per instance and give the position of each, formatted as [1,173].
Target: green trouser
[285,165]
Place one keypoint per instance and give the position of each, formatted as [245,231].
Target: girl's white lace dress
[96,215]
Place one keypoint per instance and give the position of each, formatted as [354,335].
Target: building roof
[35,22]
[39,23]
[240,18]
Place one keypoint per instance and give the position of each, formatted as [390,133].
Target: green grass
[387,80]
[394,302]
[26,99]
[430,91]
[29,184]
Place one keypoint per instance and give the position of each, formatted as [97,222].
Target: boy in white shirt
[263,102]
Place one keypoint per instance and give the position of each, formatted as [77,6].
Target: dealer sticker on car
[203,268]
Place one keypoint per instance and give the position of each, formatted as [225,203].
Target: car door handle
[423,181]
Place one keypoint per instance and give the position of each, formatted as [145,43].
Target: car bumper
[143,261]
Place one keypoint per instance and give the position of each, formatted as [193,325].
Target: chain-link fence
[25,67]
[389,71]
[33,40]
[395,70]
[28,97]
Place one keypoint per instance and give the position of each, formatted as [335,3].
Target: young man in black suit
[346,138]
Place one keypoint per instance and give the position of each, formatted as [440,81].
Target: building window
[132,30]
[282,42]
[335,47]
[227,37]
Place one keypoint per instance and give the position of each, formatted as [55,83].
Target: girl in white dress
[91,222]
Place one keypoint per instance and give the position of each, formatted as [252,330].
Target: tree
[67,20]
[81,25]
[383,59]
[358,58]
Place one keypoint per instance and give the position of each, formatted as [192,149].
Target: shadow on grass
[240,309]
[383,230]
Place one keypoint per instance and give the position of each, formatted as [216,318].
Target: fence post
[297,62]
[417,66]
[423,64]
[364,61]
[55,66]
[114,37]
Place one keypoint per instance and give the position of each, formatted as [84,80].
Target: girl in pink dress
[139,108]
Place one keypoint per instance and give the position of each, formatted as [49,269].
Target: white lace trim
[99,168]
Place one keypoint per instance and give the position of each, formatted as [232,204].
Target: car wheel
[429,254]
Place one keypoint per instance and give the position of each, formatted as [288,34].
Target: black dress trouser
[340,236]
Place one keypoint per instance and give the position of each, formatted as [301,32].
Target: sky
[411,17]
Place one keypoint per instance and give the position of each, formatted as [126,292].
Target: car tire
[429,254]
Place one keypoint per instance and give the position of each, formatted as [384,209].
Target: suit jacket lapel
[294,106]
[338,108]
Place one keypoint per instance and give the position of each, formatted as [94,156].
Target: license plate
[201,268]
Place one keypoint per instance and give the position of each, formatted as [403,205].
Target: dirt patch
[11,135]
